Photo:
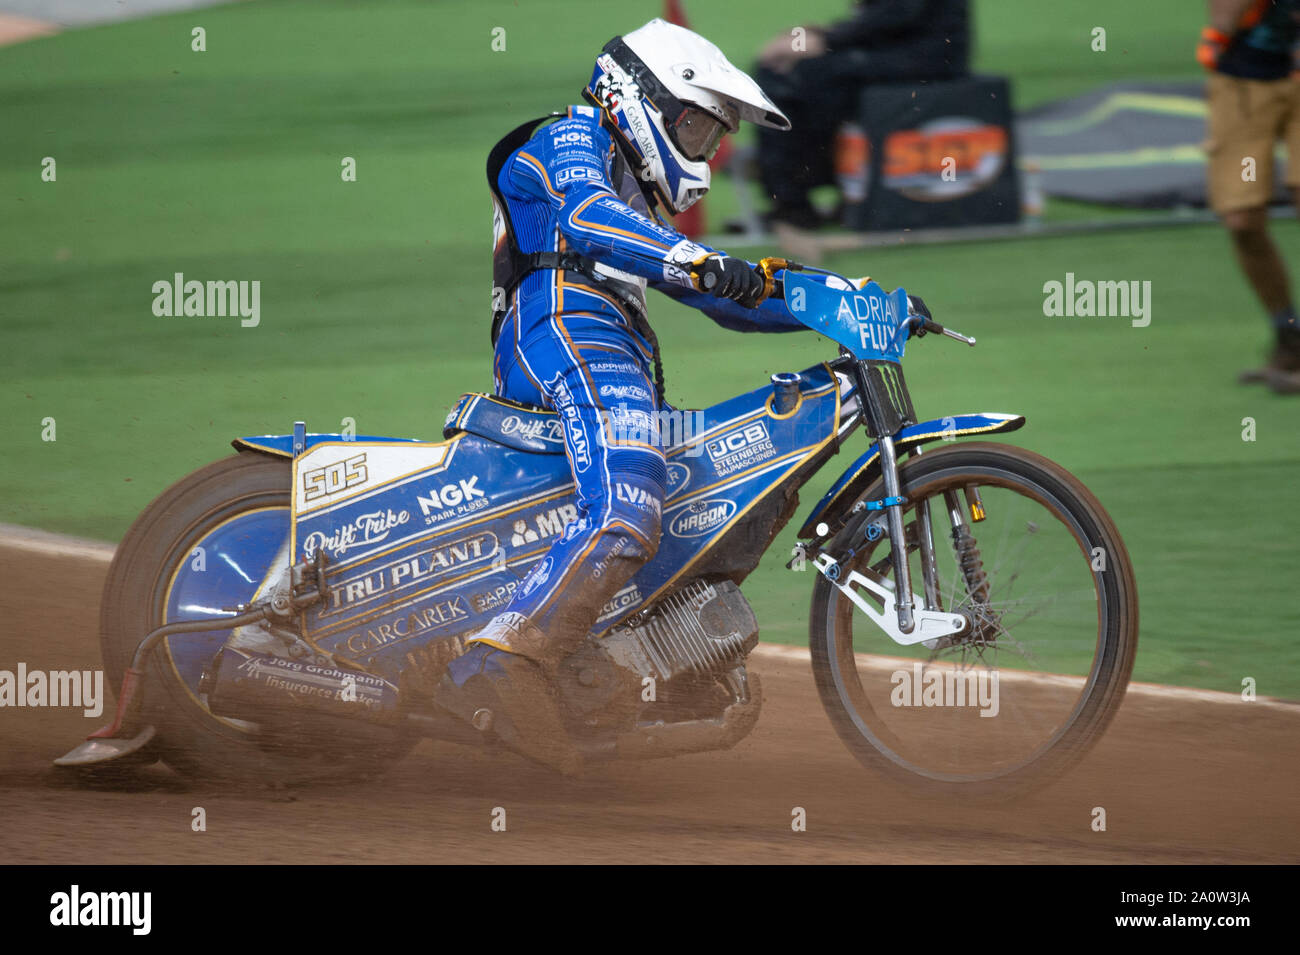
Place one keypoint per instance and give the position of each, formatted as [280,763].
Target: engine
[703,629]
[686,644]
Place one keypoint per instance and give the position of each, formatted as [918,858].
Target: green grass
[225,164]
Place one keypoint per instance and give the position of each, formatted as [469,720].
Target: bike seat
[516,425]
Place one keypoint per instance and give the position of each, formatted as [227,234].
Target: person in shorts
[1253,102]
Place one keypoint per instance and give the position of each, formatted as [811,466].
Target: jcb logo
[577,174]
[334,477]
[737,440]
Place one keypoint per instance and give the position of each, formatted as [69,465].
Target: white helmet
[672,95]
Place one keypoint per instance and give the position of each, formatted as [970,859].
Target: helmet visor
[697,134]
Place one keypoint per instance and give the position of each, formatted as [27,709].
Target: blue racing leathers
[577,342]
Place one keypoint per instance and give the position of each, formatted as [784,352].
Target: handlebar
[768,267]
[919,325]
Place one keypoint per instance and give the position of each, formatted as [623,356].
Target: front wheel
[1023,550]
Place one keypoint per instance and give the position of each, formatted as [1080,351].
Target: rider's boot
[504,674]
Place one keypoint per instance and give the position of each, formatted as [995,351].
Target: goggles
[697,134]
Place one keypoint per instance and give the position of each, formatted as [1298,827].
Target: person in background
[816,77]
[1254,100]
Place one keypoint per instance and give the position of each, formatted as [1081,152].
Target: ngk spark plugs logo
[451,500]
[944,159]
[571,134]
[738,449]
[701,517]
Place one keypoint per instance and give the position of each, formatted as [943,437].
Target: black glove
[918,314]
[724,277]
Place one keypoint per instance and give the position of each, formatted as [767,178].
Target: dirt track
[1181,781]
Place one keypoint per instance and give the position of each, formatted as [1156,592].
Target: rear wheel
[1028,555]
[208,543]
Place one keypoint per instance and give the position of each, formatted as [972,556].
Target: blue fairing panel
[869,321]
[428,541]
[852,482]
[282,444]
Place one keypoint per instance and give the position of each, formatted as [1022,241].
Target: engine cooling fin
[705,628]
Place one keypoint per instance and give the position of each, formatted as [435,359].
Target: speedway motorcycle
[287,613]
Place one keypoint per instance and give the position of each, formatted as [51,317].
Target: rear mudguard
[861,473]
[281,445]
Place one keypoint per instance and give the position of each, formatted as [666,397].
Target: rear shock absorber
[965,546]
[972,564]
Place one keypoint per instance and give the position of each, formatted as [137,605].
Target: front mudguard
[860,475]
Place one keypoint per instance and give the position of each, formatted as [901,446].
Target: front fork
[898,540]
[965,547]
[925,544]
[916,618]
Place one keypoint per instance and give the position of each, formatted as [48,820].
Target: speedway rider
[579,237]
